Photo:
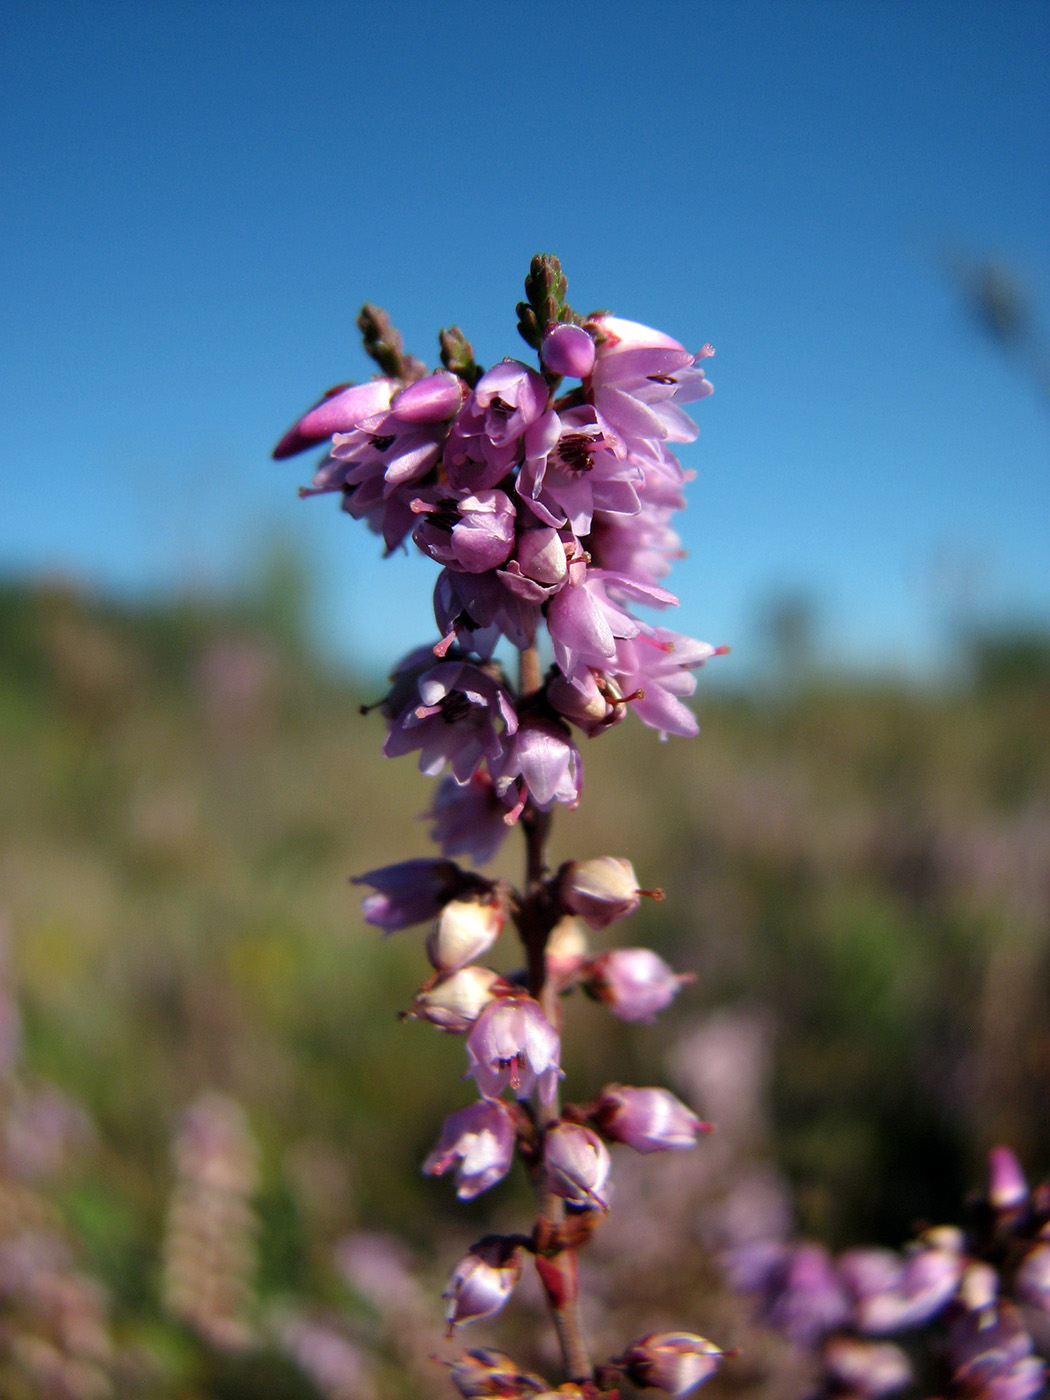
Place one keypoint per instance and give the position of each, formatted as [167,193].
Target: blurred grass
[184,792]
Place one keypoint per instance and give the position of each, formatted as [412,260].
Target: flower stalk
[548,509]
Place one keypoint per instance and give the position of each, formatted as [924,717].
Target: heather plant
[546,495]
[548,506]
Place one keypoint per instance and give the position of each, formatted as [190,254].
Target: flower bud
[482,1281]
[577,1164]
[634,983]
[457,1001]
[567,349]
[338,412]
[465,929]
[600,891]
[674,1362]
[432,399]
[649,1120]
[479,1140]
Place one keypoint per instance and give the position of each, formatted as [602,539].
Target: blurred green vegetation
[184,792]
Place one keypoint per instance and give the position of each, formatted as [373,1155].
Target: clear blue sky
[199,197]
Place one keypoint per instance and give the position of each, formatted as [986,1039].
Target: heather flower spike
[543,491]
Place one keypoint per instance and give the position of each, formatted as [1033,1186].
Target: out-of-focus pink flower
[674,1362]
[1007,1187]
[482,1281]
[513,1045]
[412,891]
[468,817]
[479,1141]
[1033,1278]
[867,1369]
[807,1299]
[634,983]
[649,1120]
[482,1374]
[577,1164]
[601,891]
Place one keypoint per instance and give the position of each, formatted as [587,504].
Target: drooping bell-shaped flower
[413,891]
[513,1045]
[482,1281]
[479,1142]
[649,1120]
[601,891]
[674,1362]
[544,763]
[634,983]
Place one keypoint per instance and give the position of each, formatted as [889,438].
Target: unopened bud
[457,1001]
[465,929]
[567,349]
[674,1362]
[577,1164]
[482,1281]
[600,891]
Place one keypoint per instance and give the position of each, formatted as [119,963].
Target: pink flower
[546,763]
[601,891]
[454,720]
[473,534]
[634,983]
[514,1045]
[479,1142]
[340,410]
[455,1002]
[649,1120]
[463,931]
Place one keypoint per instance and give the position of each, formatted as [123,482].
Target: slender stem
[538,916]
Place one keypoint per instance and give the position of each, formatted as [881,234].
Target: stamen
[454,707]
[382,441]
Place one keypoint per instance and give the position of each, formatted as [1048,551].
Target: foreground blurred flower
[649,1120]
[634,983]
[675,1362]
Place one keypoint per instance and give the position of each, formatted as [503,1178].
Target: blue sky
[199,198]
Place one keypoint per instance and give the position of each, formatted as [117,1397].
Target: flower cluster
[547,506]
